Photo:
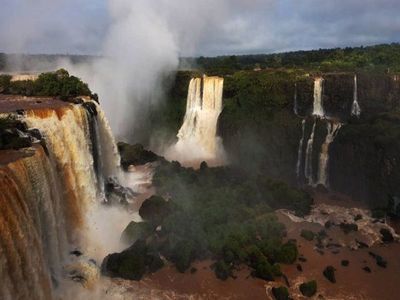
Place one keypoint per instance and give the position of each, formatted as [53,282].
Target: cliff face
[261,126]
[365,160]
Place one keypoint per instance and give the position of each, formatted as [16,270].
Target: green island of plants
[218,214]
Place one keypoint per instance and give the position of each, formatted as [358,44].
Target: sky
[201,27]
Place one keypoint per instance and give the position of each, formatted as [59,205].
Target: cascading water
[308,168]
[318,108]
[33,238]
[295,106]
[300,151]
[48,194]
[355,107]
[197,138]
[332,130]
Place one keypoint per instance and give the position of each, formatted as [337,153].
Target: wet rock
[135,155]
[118,194]
[329,274]
[302,259]
[347,228]
[367,269]
[380,261]
[299,268]
[387,236]
[76,253]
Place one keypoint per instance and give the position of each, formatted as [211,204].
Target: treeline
[38,62]
[384,58]
[53,84]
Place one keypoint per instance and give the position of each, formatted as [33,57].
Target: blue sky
[237,26]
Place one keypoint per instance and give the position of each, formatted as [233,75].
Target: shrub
[280,293]
[329,273]
[154,209]
[287,253]
[307,234]
[309,289]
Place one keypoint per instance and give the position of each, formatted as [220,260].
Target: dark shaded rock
[118,194]
[90,107]
[193,270]
[154,209]
[308,289]
[299,268]
[361,245]
[302,259]
[380,261]
[132,263]
[387,236]
[329,274]
[347,228]
[136,231]
[135,155]
[76,253]
[280,293]
[357,218]
[367,269]
[345,263]
[328,224]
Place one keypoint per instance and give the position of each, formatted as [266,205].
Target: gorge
[255,160]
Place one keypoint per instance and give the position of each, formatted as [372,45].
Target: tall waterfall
[333,129]
[46,194]
[300,151]
[197,138]
[318,108]
[355,108]
[308,166]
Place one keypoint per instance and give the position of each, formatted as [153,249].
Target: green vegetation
[379,58]
[280,293]
[53,84]
[309,289]
[307,234]
[219,214]
[132,263]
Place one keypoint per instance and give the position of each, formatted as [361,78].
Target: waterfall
[33,234]
[308,166]
[318,108]
[197,138]
[48,193]
[300,151]
[295,106]
[332,130]
[355,108]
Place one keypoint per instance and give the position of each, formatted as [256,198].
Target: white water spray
[197,138]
